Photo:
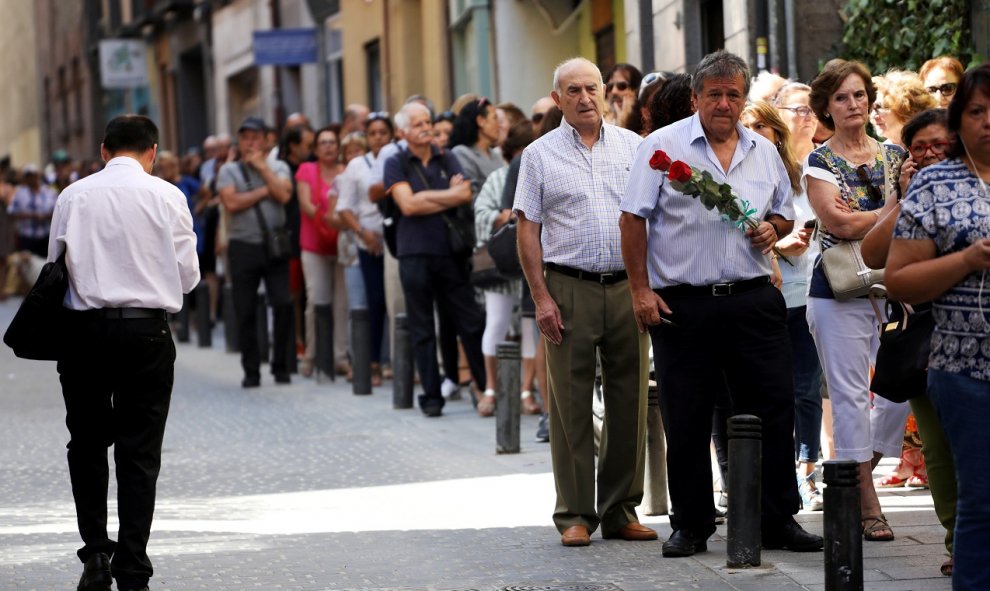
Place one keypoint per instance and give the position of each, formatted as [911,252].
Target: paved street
[307,487]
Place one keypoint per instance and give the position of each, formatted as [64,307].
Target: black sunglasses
[377,116]
[621,86]
[947,89]
[864,175]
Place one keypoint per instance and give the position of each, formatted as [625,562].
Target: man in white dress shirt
[702,288]
[131,253]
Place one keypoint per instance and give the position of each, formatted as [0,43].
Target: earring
[828,116]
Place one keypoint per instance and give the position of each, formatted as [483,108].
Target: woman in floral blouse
[941,253]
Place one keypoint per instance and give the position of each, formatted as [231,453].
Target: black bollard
[261,318]
[507,398]
[182,321]
[204,332]
[402,364]
[230,330]
[361,350]
[745,469]
[655,481]
[843,527]
[323,362]
[291,357]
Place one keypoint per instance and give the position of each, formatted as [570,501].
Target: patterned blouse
[947,205]
[826,165]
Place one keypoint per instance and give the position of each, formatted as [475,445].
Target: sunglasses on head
[538,117]
[864,175]
[377,115]
[621,86]
[947,89]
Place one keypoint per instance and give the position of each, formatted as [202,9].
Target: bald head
[296,120]
[541,106]
[574,65]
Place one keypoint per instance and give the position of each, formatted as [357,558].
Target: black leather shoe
[96,574]
[145,588]
[250,382]
[790,536]
[431,407]
[683,543]
[283,378]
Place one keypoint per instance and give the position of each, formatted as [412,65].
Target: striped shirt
[686,243]
[574,192]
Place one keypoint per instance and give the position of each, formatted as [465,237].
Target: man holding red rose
[701,287]
[567,199]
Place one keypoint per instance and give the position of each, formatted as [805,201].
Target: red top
[309,239]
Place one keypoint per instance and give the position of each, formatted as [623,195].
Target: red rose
[660,161]
[680,172]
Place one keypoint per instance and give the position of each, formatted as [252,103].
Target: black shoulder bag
[36,330]
[460,227]
[278,246]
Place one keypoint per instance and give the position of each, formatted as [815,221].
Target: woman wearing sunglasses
[900,96]
[851,184]
[941,77]
[621,89]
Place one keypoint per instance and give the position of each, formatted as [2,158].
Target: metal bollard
[507,398]
[655,481]
[402,364]
[843,527]
[291,358]
[361,350]
[182,321]
[231,333]
[323,364]
[204,332]
[261,322]
[745,468]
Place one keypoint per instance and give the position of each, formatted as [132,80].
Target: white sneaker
[449,388]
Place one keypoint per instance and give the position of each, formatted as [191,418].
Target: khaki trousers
[597,318]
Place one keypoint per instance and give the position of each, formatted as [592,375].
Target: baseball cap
[252,124]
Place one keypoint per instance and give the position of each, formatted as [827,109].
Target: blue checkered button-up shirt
[686,243]
[574,192]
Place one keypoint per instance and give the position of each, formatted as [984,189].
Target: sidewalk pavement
[308,487]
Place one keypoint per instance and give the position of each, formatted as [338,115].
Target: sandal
[486,406]
[918,481]
[890,481]
[947,567]
[874,528]
[376,375]
[529,404]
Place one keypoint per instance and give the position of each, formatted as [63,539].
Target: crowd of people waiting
[383,212]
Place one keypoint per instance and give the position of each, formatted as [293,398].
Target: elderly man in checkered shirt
[570,184]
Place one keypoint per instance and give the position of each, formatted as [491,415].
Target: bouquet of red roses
[713,195]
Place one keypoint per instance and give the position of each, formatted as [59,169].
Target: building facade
[20,118]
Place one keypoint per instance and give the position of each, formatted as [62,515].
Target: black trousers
[117,384]
[249,266]
[740,342]
[442,280]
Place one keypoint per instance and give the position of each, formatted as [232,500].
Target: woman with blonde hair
[900,96]
[765,120]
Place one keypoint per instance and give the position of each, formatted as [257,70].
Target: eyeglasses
[538,117]
[799,111]
[621,86]
[864,175]
[326,143]
[947,89]
[876,108]
[377,115]
[937,148]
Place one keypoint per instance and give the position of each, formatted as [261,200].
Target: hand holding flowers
[719,196]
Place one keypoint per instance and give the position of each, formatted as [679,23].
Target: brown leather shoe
[576,535]
[635,532]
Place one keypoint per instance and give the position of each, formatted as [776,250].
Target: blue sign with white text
[285,47]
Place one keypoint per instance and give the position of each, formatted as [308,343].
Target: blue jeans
[807,384]
[963,405]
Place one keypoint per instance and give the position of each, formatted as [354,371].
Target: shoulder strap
[257,204]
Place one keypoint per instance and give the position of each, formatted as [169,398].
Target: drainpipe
[792,69]
[772,34]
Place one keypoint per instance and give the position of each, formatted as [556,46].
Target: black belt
[602,278]
[128,313]
[715,289]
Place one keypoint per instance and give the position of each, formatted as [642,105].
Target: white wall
[233,26]
[527,50]
[737,29]
[295,14]
[668,37]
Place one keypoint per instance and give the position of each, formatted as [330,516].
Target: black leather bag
[484,273]
[901,369]
[278,244]
[503,250]
[36,330]
[460,233]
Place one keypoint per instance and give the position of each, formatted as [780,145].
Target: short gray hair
[720,65]
[404,116]
[570,62]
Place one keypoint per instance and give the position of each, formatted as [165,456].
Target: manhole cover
[564,587]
